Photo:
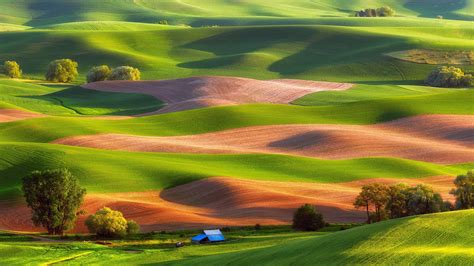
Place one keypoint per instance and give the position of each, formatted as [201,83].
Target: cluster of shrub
[55,198]
[383,202]
[384,11]
[65,70]
[449,77]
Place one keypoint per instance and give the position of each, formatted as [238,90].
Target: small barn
[208,236]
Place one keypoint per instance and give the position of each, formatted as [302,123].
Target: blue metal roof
[216,238]
[198,237]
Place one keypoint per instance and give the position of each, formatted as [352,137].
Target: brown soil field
[442,139]
[9,115]
[196,92]
[223,202]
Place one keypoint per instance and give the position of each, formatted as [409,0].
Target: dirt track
[192,93]
[224,201]
[433,138]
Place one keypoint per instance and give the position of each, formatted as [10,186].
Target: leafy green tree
[98,73]
[422,199]
[306,218]
[62,70]
[107,222]
[449,77]
[12,69]
[125,73]
[385,11]
[398,196]
[132,228]
[373,198]
[54,197]
[464,191]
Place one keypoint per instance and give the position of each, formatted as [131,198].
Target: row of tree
[55,198]
[65,70]
[384,11]
[381,201]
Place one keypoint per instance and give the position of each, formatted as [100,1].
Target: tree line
[66,70]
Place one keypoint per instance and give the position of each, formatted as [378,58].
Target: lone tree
[54,197]
[125,73]
[449,77]
[306,218]
[12,69]
[98,73]
[464,191]
[62,70]
[373,199]
[109,223]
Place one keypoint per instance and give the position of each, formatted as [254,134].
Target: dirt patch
[435,57]
[9,115]
[197,92]
[220,201]
[432,138]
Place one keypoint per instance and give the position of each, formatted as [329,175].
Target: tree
[132,228]
[422,199]
[306,218]
[54,197]
[397,200]
[109,223]
[62,70]
[125,73]
[373,199]
[449,77]
[385,11]
[98,73]
[12,69]
[464,191]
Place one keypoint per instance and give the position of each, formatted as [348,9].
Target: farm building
[208,236]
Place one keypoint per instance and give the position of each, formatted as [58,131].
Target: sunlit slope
[305,52]
[441,239]
[115,171]
[221,12]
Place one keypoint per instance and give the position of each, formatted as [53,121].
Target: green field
[169,39]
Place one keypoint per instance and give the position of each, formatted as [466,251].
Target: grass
[72,100]
[117,171]
[228,117]
[441,239]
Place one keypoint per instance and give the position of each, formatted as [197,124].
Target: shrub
[132,228]
[54,197]
[107,222]
[306,218]
[449,77]
[125,73]
[12,69]
[62,70]
[385,11]
[98,73]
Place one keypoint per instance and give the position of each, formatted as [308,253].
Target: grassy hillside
[116,171]
[441,239]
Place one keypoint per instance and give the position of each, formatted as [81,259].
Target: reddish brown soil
[224,202]
[435,138]
[9,115]
[192,93]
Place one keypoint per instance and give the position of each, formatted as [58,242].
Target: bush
[125,73]
[385,11]
[306,218]
[12,69]
[132,228]
[98,73]
[449,77]
[107,222]
[62,70]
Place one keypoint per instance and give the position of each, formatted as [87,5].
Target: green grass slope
[227,117]
[434,239]
[335,53]
[116,171]
[72,100]
[220,12]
